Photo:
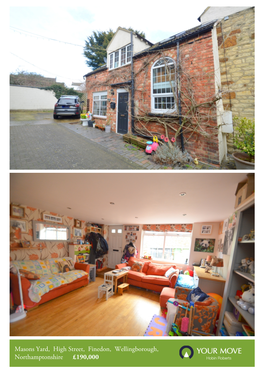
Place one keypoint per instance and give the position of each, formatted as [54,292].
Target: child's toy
[187,273]
[243,266]
[249,295]
[191,317]
[185,322]
[175,329]
[148,149]
[248,330]
[250,264]
[155,144]
[247,300]
[152,145]
[172,307]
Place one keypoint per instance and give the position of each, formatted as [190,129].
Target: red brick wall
[198,70]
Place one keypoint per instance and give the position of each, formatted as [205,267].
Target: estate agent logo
[186,354]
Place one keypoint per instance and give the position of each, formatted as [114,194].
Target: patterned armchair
[205,313]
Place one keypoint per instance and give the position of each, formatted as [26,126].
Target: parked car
[67,105]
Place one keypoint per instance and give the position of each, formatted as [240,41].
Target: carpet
[157,327]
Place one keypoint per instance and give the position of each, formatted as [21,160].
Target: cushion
[185,281]
[204,303]
[65,266]
[54,264]
[170,272]
[137,266]
[29,275]
[157,269]
[146,263]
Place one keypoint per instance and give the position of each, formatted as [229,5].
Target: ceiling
[130,198]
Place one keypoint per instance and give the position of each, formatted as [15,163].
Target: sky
[49,39]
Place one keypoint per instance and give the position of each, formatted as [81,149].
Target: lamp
[215,263]
[20,314]
[209,258]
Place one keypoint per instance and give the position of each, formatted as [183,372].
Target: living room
[193,207]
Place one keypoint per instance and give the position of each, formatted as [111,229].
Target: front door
[115,245]
[122,116]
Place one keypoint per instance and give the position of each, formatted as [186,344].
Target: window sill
[166,262]
[119,67]
[163,115]
[99,116]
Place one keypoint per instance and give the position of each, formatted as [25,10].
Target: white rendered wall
[218,12]
[25,98]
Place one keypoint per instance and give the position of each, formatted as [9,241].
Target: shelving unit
[76,249]
[241,250]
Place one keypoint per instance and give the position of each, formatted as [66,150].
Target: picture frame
[77,223]
[17,211]
[77,232]
[206,229]
[50,217]
[17,223]
[204,245]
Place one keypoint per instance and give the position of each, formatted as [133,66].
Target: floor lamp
[21,313]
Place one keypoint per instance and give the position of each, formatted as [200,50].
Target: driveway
[39,142]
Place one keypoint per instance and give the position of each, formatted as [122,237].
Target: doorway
[122,113]
[115,245]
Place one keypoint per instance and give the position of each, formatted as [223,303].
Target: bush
[244,136]
[171,155]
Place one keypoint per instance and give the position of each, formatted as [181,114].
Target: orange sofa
[151,276]
[49,270]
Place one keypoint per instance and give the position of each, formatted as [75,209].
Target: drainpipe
[179,94]
[132,86]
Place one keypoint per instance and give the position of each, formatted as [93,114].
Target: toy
[247,300]
[187,273]
[243,267]
[175,329]
[250,265]
[185,322]
[152,145]
[148,149]
[155,144]
[249,295]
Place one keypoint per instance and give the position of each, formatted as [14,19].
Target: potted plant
[84,120]
[244,140]
[108,126]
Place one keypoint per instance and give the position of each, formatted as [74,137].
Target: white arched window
[163,86]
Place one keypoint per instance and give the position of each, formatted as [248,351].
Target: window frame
[100,94]
[161,95]
[164,235]
[118,53]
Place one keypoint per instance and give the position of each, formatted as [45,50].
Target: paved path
[39,142]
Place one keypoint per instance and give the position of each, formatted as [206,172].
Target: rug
[157,327]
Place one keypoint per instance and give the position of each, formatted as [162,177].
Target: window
[163,85]
[100,103]
[120,57]
[111,61]
[167,246]
[51,232]
[116,59]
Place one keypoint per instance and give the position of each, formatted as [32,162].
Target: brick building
[172,88]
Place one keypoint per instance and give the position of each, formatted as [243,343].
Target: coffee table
[116,277]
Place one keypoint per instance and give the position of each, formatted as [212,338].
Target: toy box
[231,323]
[237,315]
